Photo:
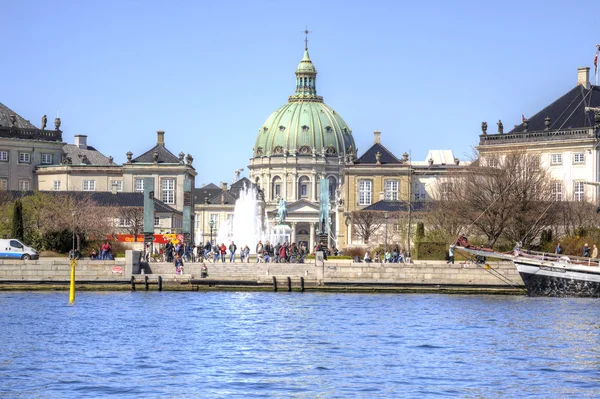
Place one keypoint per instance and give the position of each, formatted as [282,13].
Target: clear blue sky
[210,73]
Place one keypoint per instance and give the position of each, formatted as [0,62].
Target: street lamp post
[212,226]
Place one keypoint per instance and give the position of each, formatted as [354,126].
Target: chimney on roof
[224,186]
[377,136]
[81,141]
[583,77]
[160,137]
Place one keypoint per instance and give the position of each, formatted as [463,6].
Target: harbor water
[294,345]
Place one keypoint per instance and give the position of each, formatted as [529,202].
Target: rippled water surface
[294,345]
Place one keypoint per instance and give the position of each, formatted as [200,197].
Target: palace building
[565,135]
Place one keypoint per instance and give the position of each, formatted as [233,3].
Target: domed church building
[302,142]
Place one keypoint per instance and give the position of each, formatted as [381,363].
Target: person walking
[558,249]
[451,254]
[246,254]
[586,251]
[259,251]
[223,250]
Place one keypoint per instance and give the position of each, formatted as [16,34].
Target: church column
[314,186]
[285,185]
[269,188]
[311,242]
[294,186]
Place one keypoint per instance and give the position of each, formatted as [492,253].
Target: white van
[15,249]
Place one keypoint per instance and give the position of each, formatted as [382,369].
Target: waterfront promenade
[333,275]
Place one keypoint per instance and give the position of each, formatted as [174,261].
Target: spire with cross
[306,32]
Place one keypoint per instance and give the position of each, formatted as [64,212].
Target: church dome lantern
[305,124]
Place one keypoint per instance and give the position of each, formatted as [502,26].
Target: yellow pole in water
[72,286]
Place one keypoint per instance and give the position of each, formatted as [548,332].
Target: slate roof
[164,156]
[370,156]
[395,206]
[567,111]
[89,156]
[201,194]
[216,195]
[5,114]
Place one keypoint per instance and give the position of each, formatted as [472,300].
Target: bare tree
[135,219]
[365,224]
[512,198]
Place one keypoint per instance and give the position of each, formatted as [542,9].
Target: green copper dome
[305,125]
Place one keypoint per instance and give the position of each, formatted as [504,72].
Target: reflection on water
[215,345]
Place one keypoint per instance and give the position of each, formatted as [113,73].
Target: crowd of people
[396,255]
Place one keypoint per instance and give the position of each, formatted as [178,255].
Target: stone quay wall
[500,274]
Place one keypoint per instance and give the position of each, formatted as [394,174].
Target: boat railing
[561,258]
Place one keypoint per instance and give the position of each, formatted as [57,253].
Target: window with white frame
[391,190]
[3,184]
[578,158]
[139,185]
[24,157]
[556,159]
[446,190]
[125,222]
[89,185]
[24,185]
[230,223]
[3,156]
[578,191]
[46,159]
[557,190]
[214,221]
[303,187]
[168,191]
[56,185]
[156,221]
[364,192]
[118,184]
[493,162]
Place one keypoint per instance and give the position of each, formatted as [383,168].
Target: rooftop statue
[500,126]
[44,121]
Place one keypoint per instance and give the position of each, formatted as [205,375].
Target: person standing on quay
[223,250]
[451,254]
[594,252]
[232,248]
[586,251]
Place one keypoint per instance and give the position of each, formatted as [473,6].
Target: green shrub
[432,251]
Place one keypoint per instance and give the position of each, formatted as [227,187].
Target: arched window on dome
[276,188]
[332,187]
[303,187]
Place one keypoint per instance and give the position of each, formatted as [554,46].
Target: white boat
[547,274]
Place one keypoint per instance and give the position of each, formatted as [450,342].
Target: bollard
[301,284]
[289,284]
[132,283]
[274,284]
[159,283]
[146,282]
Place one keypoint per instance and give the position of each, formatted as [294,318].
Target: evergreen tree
[17,221]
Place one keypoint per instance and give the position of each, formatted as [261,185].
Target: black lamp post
[212,226]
